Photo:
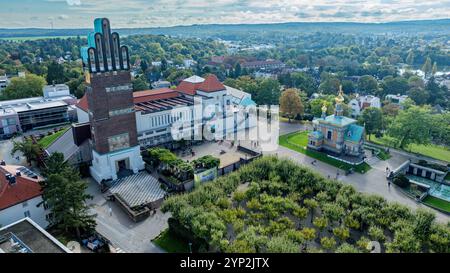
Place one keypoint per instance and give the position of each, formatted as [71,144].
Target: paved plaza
[124,234]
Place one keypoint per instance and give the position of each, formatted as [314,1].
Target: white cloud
[73,2]
[155,13]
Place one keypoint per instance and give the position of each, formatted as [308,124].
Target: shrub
[401,180]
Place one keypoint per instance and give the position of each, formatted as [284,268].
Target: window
[27,213]
[49,217]
[329,134]
[25,204]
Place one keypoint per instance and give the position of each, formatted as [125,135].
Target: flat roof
[163,104]
[25,236]
[38,106]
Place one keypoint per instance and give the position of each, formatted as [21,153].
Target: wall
[16,212]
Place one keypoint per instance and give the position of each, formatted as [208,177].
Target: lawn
[434,151]
[170,243]
[297,141]
[437,203]
[47,140]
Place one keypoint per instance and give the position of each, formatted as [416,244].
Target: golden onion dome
[340,97]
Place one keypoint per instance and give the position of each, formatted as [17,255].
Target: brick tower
[115,149]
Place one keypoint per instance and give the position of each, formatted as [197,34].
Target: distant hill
[441,26]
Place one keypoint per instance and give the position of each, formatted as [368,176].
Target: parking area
[124,234]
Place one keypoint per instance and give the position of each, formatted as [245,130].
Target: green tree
[237,70]
[311,204]
[404,242]
[281,244]
[348,87]
[140,84]
[330,85]
[28,149]
[291,103]
[439,239]
[269,92]
[419,95]
[434,69]
[372,119]
[376,233]
[427,67]
[328,242]
[410,58]
[411,126]
[54,164]
[55,73]
[303,81]
[320,223]
[346,248]
[367,85]
[391,85]
[65,193]
[24,87]
[341,232]
[423,224]
[316,107]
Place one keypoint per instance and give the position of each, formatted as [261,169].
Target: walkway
[372,182]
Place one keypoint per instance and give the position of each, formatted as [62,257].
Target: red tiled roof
[211,84]
[154,94]
[24,189]
[83,103]
[187,87]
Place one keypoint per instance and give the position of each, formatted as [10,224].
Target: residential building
[56,90]
[160,84]
[9,123]
[25,236]
[267,64]
[358,104]
[188,63]
[21,196]
[4,81]
[396,99]
[337,134]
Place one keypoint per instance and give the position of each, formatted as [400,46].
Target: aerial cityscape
[275,127]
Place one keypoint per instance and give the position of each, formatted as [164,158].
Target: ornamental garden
[275,205]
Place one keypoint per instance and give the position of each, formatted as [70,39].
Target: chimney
[3,163]
[12,180]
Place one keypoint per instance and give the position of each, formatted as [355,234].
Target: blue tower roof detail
[103,51]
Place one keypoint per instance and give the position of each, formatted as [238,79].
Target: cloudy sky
[154,13]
